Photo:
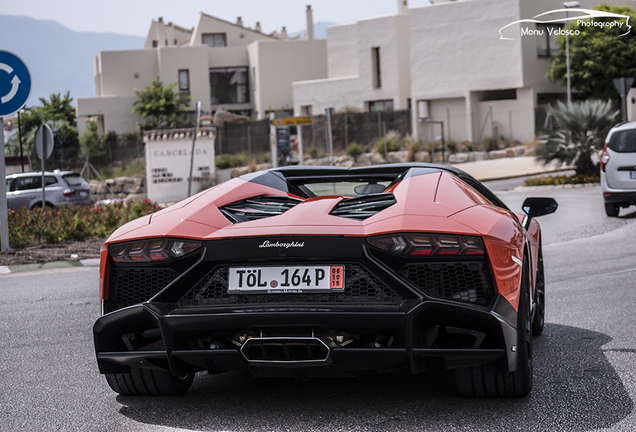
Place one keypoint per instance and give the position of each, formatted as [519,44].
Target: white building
[447,62]
[368,67]
[222,64]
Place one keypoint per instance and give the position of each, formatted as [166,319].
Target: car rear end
[74,190]
[618,168]
[302,306]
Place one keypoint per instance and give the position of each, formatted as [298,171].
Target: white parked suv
[618,168]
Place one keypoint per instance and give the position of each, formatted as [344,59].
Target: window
[184,81]
[381,105]
[306,110]
[214,39]
[72,180]
[155,44]
[229,86]
[546,39]
[375,67]
[494,95]
[28,183]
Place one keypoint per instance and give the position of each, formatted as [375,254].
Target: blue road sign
[15,83]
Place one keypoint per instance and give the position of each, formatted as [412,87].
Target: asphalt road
[585,362]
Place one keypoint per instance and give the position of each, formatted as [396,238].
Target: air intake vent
[258,208]
[363,207]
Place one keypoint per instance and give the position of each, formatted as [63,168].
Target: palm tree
[579,131]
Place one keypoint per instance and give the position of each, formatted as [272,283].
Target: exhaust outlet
[294,351]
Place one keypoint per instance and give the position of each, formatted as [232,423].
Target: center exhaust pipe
[292,351]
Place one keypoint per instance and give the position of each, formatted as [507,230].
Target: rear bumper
[619,197]
[385,338]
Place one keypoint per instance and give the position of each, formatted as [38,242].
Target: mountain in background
[61,59]
[58,58]
[320,30]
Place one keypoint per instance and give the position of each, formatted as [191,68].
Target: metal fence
[366,128]
[253,138]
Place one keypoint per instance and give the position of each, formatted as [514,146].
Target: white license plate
[632,174]
[286,279]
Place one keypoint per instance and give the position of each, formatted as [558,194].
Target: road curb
[91,262]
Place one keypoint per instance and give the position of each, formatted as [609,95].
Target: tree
[159,106]
[597,55]
[59,113]
[579,130]
[94,145]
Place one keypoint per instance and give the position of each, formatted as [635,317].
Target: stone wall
[125,188]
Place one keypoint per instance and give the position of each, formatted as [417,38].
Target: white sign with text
[168,166]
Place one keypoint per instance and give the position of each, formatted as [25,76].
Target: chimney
[283,33]
[403,7]
[257,27]
[239,21]
[309,32]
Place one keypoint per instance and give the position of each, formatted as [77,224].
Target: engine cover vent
[259,207]
[364,207]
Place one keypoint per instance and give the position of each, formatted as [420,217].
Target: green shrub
[52,225]
[354,150]
[560,180]
[226,161]
[394,142]
[311,150]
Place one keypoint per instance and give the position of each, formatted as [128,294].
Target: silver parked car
[618,168]
[62,187]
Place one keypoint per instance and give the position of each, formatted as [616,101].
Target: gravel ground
[44,252]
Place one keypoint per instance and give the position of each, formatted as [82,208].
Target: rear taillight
[605,157]
[429,244]
[69,192]
[152,250]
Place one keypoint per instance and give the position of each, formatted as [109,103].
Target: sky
[133,17]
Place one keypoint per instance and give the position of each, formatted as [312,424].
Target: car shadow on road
[575,388]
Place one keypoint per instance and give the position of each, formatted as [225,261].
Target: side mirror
[535,207]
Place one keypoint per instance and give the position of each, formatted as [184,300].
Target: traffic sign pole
[16,82]
[4,217]
[44,149]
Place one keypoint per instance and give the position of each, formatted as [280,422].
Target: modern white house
[368,67]
[222,64]
[447,63]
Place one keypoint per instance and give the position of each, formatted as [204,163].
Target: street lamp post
[568,5]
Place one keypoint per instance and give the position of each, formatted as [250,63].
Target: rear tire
[485,381]
[149,382]
[612,209]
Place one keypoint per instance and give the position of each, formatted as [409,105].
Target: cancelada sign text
[508,32]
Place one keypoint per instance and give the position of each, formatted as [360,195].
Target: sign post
[285,122]
[15,88]
[44,148]
[623,85]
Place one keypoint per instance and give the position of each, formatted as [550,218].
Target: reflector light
[605,157]
[429,244]
[152,250]
[69,192]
